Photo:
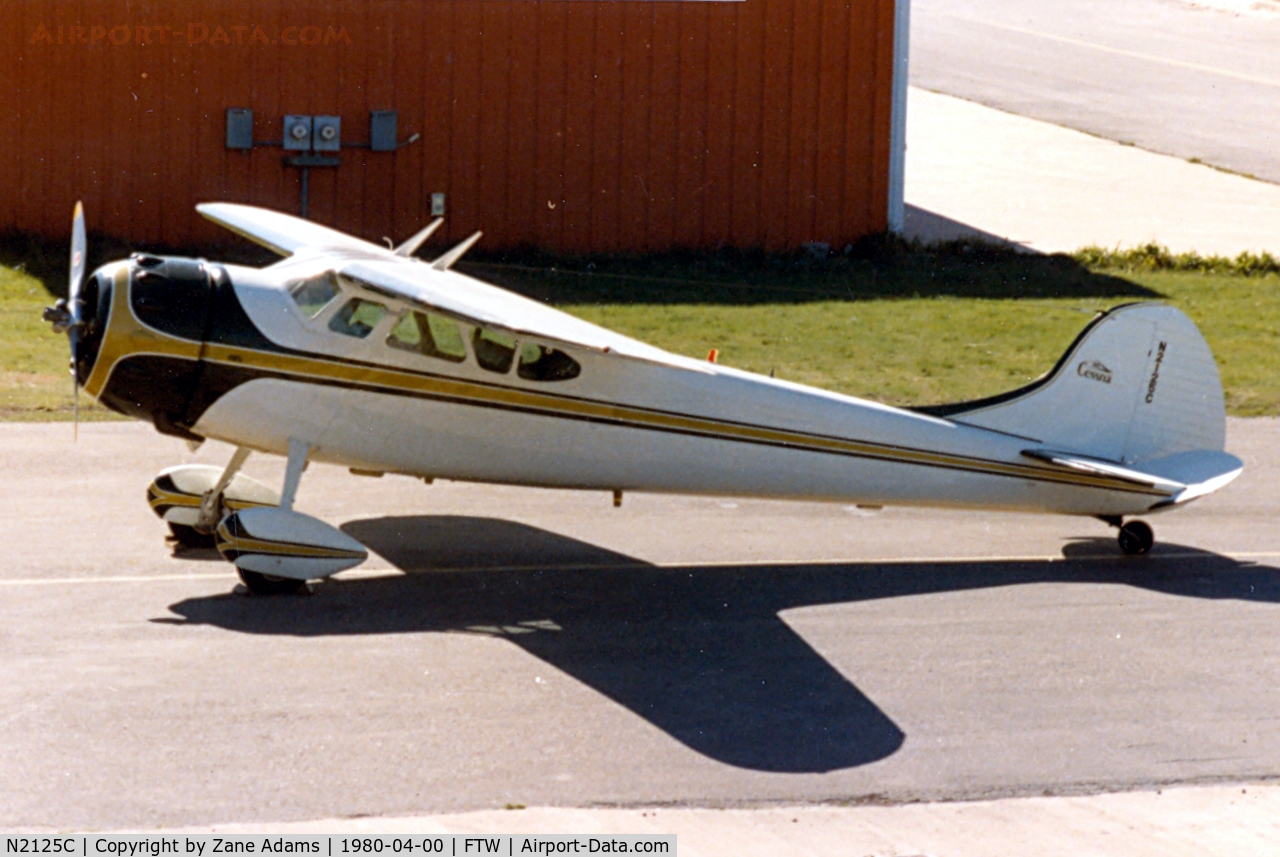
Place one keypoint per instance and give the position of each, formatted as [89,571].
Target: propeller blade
[79,244]
[79,247]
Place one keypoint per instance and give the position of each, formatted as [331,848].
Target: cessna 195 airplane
[352,353]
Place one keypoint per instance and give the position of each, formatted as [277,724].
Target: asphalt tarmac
[526,647]
[1167,76]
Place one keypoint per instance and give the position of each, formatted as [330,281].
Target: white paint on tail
[1139,388]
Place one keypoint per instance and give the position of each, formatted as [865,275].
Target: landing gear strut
[1135,537]
[212,507]
[271,584]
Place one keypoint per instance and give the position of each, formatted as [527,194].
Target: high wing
[471,300]
[431,286]
[282,233]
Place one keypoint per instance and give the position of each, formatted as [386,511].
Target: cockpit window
[429,334]
[540,363]
[314,293]
[494,351]
[358,318]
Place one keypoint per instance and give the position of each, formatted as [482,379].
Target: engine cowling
[151,345]
[284,543]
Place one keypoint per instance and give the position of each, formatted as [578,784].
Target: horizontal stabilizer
[1183,476]
[1203,471]
[1101,467]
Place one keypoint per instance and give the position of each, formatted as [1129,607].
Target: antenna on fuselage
[409,247]
[446,261]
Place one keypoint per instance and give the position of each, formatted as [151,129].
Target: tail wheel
[269,584]
[1136,537]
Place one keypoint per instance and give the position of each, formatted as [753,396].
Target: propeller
[66,314]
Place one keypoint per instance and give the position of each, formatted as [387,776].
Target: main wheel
[1136,537]
[269,584]
[190,537]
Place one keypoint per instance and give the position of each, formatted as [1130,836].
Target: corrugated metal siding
[575,126]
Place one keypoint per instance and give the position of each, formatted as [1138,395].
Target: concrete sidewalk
[1240,820]
[975,171]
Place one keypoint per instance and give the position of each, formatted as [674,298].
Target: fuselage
[370,381]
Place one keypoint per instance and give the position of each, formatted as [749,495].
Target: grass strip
[1156,257]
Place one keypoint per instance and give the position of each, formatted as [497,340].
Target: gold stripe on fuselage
[325,370]
[132,338]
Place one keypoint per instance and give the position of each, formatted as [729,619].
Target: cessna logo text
[1155,373]
[1094,370]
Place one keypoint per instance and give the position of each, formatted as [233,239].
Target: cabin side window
[430,335]
[494,351]
[539,363]
[358,318]
[314,293]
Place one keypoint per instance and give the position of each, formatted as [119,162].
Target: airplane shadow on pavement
[699,651]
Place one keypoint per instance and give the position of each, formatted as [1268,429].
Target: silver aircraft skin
[366,357]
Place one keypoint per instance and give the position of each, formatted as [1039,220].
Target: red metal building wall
[573,125]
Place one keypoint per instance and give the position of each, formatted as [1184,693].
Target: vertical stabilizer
[1138,384]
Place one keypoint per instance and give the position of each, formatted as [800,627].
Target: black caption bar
[418,845]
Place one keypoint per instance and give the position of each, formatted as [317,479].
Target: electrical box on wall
[239,128]
[314,141]
[326,133]
[382,130]
[316,133]
[437,205]
[297,133]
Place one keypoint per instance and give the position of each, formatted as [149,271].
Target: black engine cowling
[171,296]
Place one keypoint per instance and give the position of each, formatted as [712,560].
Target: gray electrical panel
[297,133]
[239,128]
[382,130]
[326,133]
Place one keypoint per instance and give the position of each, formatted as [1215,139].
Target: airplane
[365,356]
